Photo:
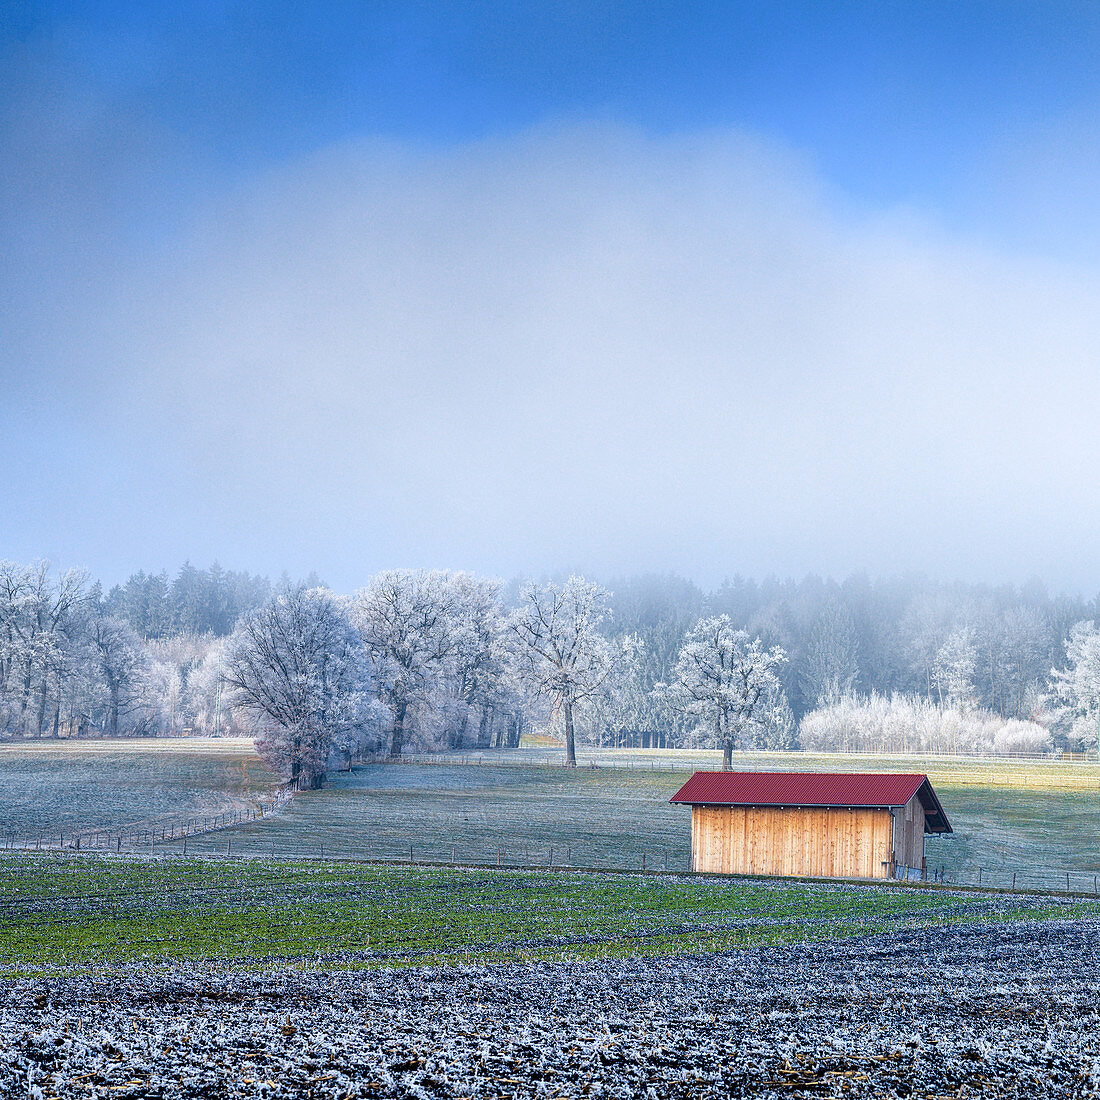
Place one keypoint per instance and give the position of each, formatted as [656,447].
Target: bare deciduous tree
[299,666]
[406,621]
[565,655]
[727,679]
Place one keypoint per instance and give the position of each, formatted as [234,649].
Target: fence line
[145,835]
[659,760]
[1054,778]
[542,856]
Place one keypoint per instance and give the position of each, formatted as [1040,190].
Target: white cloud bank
[587,348]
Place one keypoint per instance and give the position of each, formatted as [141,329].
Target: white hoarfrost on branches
[966,670]
[953,669]
[830,668]
[484,666]
[298,666]
[729,681]
[406,619]
[566,657]
[1074,697]
[909,723]
[124,667]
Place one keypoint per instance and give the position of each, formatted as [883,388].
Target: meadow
[58,910]
[1025,821]
[1035,820]
[52,788]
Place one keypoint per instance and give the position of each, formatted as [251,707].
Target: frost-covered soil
[991,1010]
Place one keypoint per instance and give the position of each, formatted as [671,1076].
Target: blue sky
[855,230]
[893,101]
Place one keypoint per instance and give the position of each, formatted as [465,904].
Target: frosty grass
[187,979]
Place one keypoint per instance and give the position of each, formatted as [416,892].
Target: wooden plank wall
[909,834]
[768,840]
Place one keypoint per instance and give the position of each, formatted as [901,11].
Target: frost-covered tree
[831,666]
[482,656]
[926,625]
[207,702]
[1027,656]
[728,680]
[406,619]
[623,712]
[565,656]
[655,611]
[123,667]
[1074,696]
[41,619]
[775,727]
[953,669]
[298,665]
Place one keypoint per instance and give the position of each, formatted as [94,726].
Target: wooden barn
[807,823]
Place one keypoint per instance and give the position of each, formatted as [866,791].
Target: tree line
[195,601]
[424,652]
[443,660]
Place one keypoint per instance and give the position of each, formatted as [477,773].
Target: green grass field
[1034,819]
[65,911]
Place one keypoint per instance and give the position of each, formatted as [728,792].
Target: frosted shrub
[1021,737]
[906,723]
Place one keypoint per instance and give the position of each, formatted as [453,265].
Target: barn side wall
[769,840]
[909,834]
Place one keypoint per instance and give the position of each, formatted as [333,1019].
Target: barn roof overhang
[834,790]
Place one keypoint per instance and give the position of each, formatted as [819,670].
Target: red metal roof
[867,789]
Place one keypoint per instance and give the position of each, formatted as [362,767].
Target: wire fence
[695,759]
[234,833]
[227,840]
[1061,772]
[146,835]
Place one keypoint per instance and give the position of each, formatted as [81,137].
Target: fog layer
[578,347]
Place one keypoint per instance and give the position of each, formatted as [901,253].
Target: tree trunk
[727,755]
[483,729]
[114,711]
[42,701]
[458,736]
[570,746]
[398,741]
